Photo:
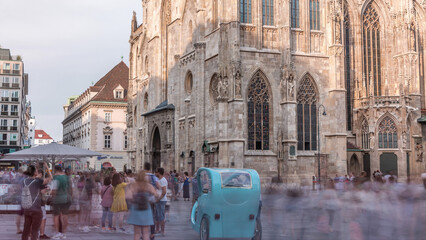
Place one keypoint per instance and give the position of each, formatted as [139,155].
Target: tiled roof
[119,75]
[43,134]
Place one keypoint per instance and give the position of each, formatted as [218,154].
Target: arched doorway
[156,150]
[389,163]
[354,165]
[367,164]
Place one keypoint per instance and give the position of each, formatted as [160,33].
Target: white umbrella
[52,152]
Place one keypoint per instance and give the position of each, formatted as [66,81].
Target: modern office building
[13,102]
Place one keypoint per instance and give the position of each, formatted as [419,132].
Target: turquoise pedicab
[228,205]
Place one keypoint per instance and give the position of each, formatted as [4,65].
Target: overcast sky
[65,45]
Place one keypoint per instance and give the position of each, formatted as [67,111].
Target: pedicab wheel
[204,229]
[258,230]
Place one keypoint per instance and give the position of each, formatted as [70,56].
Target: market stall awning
[51,151]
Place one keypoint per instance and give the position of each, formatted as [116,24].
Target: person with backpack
[31,202]
[141,216]
[153,180]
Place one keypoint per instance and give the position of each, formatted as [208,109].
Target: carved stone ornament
[372,139]
[107,130]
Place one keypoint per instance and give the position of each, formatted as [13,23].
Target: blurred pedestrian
[160,205]
[186,181]
[31,202]
[153,180]
[107,195]
[119,205]
[60,202]
[140,211]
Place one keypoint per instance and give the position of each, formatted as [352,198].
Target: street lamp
[319,140]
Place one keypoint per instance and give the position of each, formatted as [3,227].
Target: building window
[6,80]
[15,96]
[6,66]
[371,50]
[14,110]
[307,115]
[245,11]
[348,84]
[268,12]
[388,137]
[314,14]
[365,134]
[107,117]
[258,113]
[16,67]
[4,109]
[295,14]
[107,142]
[118,94]
[125,142]
[3,124]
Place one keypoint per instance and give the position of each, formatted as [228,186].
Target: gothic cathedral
[291,88]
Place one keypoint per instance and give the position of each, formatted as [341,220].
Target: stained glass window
[258,113]
[245,11]
[371,50]
[365,139]
[295,14]
[314,14]
[268,12]
[307,115]
[349,97]
[388,137]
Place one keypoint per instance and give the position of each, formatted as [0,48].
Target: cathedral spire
[134,22]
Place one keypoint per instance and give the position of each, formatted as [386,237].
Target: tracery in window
[371,51]
[365,134]
[388,137]
[314,14]
[258,113]
[307,115]
[295,14]
[268,12]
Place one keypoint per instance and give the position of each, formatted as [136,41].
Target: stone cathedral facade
[278,85]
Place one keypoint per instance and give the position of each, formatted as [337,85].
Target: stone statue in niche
[237,77]
[404,140]
[372,141]
[419,150]
[222,87]
[283,87]
[290,86]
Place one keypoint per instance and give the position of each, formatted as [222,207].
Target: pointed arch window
[307,115]
[245,11]
[388,137]
[371,51]
[268,12]
[258,113]
[295,14]
[365,138]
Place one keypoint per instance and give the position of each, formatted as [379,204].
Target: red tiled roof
[119,75]
[44,135]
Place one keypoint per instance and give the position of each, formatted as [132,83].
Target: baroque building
[96,120]
[279,86]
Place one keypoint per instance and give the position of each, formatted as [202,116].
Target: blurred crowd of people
[108,200]
[350,208]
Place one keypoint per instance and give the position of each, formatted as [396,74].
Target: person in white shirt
[160,206]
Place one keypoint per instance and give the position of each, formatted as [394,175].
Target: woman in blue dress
[140,211]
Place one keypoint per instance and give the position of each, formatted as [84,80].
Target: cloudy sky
[65,45]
